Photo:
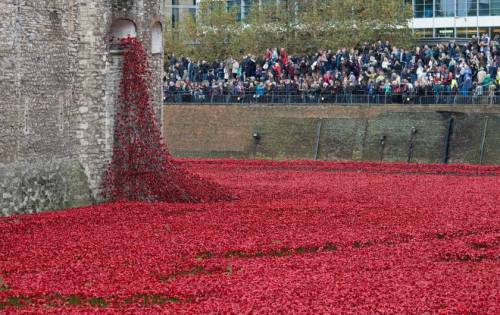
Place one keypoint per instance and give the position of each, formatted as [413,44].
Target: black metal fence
[319,98]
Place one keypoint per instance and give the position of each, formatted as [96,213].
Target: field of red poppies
[303,237]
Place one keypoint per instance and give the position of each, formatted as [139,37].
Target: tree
[212,34]
[300,26]
[307,26]
[359,21]
[174,42]
[274,24]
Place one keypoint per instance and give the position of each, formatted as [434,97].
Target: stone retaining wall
[345,132]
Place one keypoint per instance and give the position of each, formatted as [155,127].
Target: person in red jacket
[277,69]
[283,56]
[268,55]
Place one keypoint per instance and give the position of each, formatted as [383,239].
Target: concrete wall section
[371,133]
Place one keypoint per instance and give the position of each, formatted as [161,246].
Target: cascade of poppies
[141,168]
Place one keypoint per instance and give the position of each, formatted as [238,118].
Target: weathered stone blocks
[58,93]
[30,187]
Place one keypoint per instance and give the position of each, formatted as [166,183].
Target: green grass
[3,286]
[57,300]
[99,302]
[280,252]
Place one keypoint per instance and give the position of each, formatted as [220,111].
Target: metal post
[411,146]
[483,141]
[413,17]
[242,9]
[446,153]
[477,17]
[316,142]
[382,146]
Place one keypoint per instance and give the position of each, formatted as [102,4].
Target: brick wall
[346,132]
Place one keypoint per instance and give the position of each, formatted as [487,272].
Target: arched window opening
[122,28]
[157,38]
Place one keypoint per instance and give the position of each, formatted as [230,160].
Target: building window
[175,13]
[423,8]
[483,30]
[495,7]
[234,5]
[247,6]
[461,7]
[122,28]
[445,8]
[445,32]
[157,39]
[473,7]
[424,33]
[466,32]
[450,8]
[484,7]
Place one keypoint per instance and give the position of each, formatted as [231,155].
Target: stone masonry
[59,82]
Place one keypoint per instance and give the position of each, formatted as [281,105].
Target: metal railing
[319,98]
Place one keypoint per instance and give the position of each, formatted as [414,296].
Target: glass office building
[176,10]
[456,18]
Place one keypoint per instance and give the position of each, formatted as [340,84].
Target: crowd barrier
[318,98]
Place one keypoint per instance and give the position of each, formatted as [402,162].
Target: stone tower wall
[58,84]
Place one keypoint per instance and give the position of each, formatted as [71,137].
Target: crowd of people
[379,69]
